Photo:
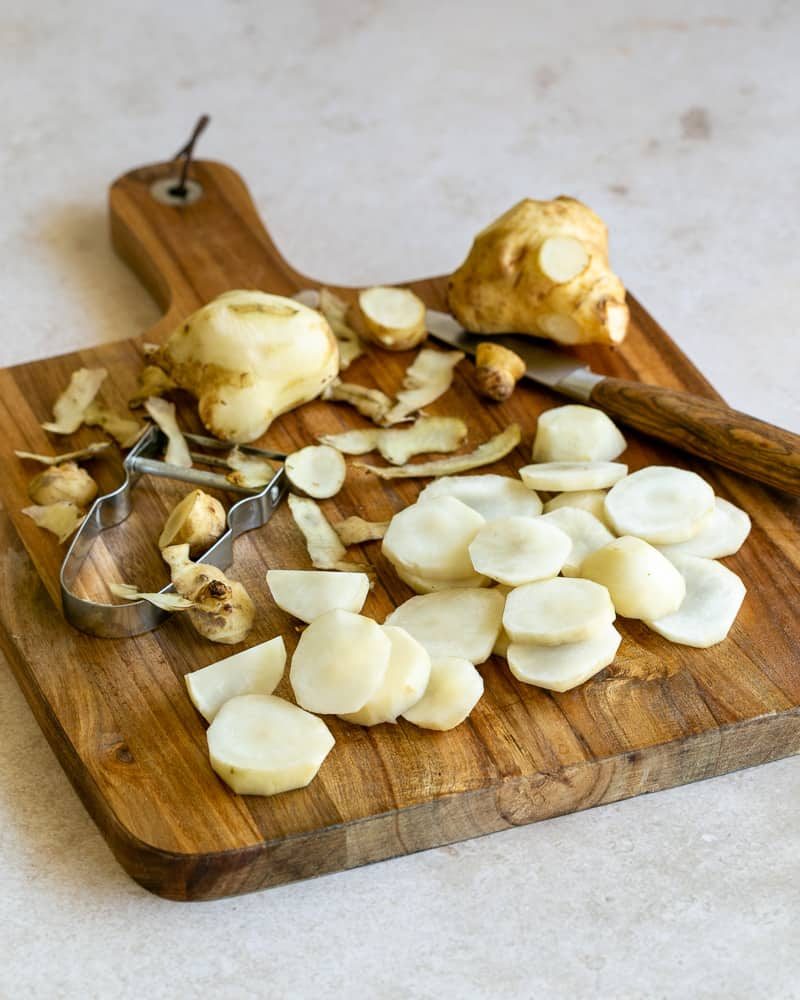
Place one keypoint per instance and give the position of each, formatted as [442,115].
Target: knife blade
[704,427]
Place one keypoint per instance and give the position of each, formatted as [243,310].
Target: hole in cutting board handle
[168,191]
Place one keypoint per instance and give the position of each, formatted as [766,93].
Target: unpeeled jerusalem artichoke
[67,481]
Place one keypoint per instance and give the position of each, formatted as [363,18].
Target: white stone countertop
[377,137]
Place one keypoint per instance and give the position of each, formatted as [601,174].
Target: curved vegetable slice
[397,445]
[263,745]
[492,496]
[660,504]
[713,597]
[462,623]
[585,532]
[564,477]
[592,500]
[308,594]
[394,318]
[163,414]
[517,550]
[404,683]
[551,612]
[318,471]
[432,539]
[642,582]
[454,689]
[424,585]
[722,534]
[561,668]
[576,433]
[257,670]
[428,377]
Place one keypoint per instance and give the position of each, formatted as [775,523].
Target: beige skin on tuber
[542,269]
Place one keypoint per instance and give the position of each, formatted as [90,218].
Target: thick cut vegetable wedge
[462,623]
[308,594]
[660,504]
[564,477]
[403,685]
[576,433]
[560,668]
[454,689]
[517,550]
[551,612]
[722,534]
[490,495]
[642,582]
[431,540]
[257,670]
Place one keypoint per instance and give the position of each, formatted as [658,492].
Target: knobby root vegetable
[485,454]
[263,745]
[125,430]
[713,597]
[317,471]
[222,610]
[396,445]
[490,495]
[576,433]
[163,413]
[257,670]
[370,403]
[404,683]
[355,530]
[339,664]
[392,318]
[249,356]
[585,532]
[248,470]
[553,612]
[67,481]
[463,623]
[497,371]
[69,408]
[722,534]
[62,518]
[151,381]
[309,594]
[563,667]
[660,504]
[198,520]
[90,451]
[542,269]
[324,546]
[432,539]
[454,689]
[568,476]
[427,378]
[517,550]
[642,582]
[167,602]
[592,500]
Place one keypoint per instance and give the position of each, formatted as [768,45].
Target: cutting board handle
[187,252]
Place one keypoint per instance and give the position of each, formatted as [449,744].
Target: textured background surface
[377,138]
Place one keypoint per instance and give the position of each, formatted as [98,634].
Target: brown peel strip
[90,451]
[69,408]
[428,434]
[355,530]
[167,602]
[62,518]
[323,544]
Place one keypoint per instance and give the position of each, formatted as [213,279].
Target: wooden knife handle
[706,428]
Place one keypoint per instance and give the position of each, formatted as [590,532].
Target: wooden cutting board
[116,711]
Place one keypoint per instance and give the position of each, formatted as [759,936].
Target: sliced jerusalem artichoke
[198,520]
[713,597]
[152,381]
[454,689]
[517,550]
[564,477]
[425,585]
[69,408]
[317,471]
[428,377]
[340,663]
[263,745]
[431,540]
[576,433]
[163,413]
[370,403]
[592,500]
[563,667]
[125,430]
[660,504]
[404,682]
[67,481]
[642,582]
[62,518]
[249,356]
[722,534]
[585,532]
[392,318]
[355,530]
[222,610]
[90,451]
[309,594]
[490,495]
[324,546]
[485,454]
[463,623]
[257,670]
[552,612]
[396,445]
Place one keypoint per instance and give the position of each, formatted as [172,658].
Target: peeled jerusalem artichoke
[198,519]
[249,356]
[67,481]
[542,269]
[222,611]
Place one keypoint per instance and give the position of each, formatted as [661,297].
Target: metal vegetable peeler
[116,621]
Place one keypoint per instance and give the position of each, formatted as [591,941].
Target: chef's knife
[701,426]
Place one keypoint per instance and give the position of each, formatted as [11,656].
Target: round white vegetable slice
[660,504]
[551,612]
[560,668]
[490,495]
[642,582]
[585,532]
[463,623]
[392,317]
[576,433]
[318,470]
[403,685]
[422,585]
[515,550]
[257,670]
[431,539]
[721,535]
[262,745]
[564,477]
[592,500]
[339,663]
[309,593]
[713,597]
[454,689]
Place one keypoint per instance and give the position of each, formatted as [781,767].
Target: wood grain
[116,712]
[707,428]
